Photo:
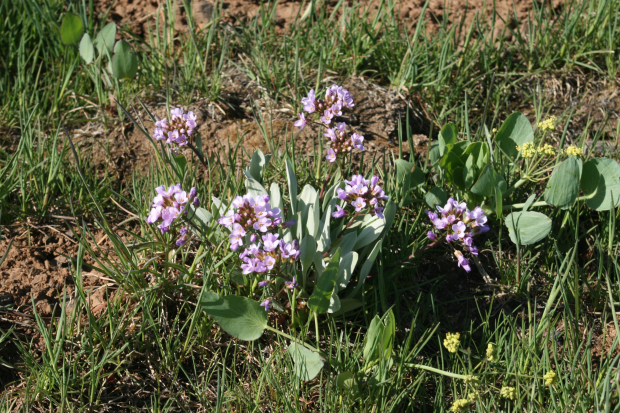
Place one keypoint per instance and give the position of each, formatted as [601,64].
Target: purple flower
[339,212]
[263,283]
[431,215]
[301,122]
[266,304]
[288,223]
[358,204]
[431,235]
[327,117]
[309,102]
[357,141]
[342,194]
[270,242]
[473,249]
[459,230]
[183,237]
[379,212]
[291,285]
[462,261]
[331,155]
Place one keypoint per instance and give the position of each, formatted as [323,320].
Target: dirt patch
[137,15]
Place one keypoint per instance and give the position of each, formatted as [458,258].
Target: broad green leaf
[516,130]
[254,187]
[372,229]
[106,38]
[275,198]
[334,302]
[346,381]
[487,180]
[563,187]
[181,164]
[319,300]
[389,334]
[480,153]
[403,170]
[307,248]
[319,263]
[368,263]
[87,50]
[450,162]
[447,136]
[347,305]
[374,336]
[435,153]
[292,187]
[201,219]
[347,266]
[308,363]
[240,317]
[436,196]
[527,227]
[71,29]
[347,243]
[390,213]
[417,178]
[599,180]
[124,62]
[469,172]
[257,166]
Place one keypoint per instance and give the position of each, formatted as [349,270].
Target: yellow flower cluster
[460,405]
[547,124]
[527,150]
[508,393]
[452,342]
[471,379]
[491,352]
[473,396]
[547,150]
[573,150]
[550,378]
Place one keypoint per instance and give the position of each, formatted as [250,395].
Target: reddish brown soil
[138,14]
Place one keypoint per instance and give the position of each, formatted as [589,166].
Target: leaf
[307,248]
[308,363]
[390,213]
[372,230]
[347,305]
[563,186]
[451,162]
[275,198]
[389,334]
[447,136]
[106,38]
[347,243]
[347,266]
[254,187]
[599,180]
[436,196]
[87,51]
[181,164]
[201,218]
[319,300]
[366,268]
[124,62]
[487,180]
[71,29]
[345,381]
[374,336]
[240,317]
[292,186]
[334,302]
[527,227]
[257,166]
[516,130]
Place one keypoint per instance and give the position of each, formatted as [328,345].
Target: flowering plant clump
[364,195]
[547,124]
[527,150]
[169,204]
[491,352]
[452,342]
[574,151]
[547,150]
[459,225]
[550,378]
[460,405]
[177,130]
[324,111]
[253,221]
[508,393]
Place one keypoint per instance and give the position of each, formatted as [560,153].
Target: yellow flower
[471,379]
[508,393]
[494,130]
[527,150]
[491,352]
[547,124]
[550,378]
[460,405]
[452,342]
[473,396]
[573,150]
[547,150]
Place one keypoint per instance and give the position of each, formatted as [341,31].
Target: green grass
[155,350]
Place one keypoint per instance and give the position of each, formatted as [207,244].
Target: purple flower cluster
[459,225]
[168,205]
[336,99]
[253,217]
[178,129]
[361,194]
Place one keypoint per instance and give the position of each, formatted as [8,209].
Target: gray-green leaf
[106,38]
[240,317]
[308,363]
[71,29]
[516,130]
[563,186]
[527,227]
[599,180]
[319,300]
[124,62]
[87,51]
